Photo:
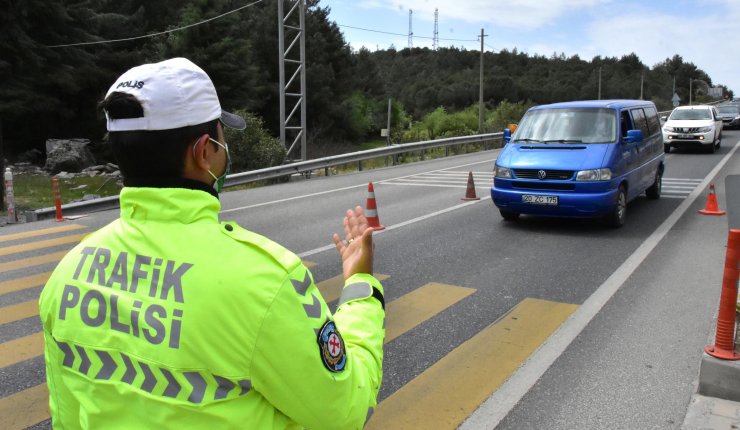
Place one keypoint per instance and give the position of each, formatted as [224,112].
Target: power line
[159,33]
[100,42]
[406,34]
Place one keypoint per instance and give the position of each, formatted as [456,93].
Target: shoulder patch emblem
[331,347]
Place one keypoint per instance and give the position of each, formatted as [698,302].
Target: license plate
[534,199]
[685,136]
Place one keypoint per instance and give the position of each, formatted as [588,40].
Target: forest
[51,90]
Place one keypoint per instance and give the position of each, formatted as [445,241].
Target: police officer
[166,318]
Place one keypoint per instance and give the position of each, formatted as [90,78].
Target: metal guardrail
[301,167]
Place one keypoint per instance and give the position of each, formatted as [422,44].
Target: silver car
[730,115]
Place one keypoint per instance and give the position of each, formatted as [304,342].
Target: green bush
[504,114]
[253,148]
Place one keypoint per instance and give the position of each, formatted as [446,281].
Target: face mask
[218,185]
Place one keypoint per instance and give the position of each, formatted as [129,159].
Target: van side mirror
[633,136]
[507,136]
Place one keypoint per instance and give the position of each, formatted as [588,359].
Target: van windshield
[568,125]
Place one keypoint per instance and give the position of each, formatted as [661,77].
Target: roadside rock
[68,155]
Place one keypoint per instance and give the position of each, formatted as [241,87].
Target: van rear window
[568,125]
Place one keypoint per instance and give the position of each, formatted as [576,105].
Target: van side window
[625,123]
[652,120]
[638,118]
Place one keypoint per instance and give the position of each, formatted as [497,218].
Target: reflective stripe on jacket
[167,318]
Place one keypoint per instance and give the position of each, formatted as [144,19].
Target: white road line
[451,177]
[430,180]
[418,184]
[433,181]
[687,184]
[459,173]
[401,224]
[498,406]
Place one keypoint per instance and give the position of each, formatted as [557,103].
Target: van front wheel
[618,216]
[508,215]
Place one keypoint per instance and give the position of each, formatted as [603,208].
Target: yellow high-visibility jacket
[166,318]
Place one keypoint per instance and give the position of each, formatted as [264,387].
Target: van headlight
[501,172]
[705,129]
[668,129]
[594,175]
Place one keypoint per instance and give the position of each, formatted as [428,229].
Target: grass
[35,191]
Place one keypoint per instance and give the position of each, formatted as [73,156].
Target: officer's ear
[198,160]
[201,152]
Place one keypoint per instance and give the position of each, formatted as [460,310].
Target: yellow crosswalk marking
[25,263]
[21,349]
[24,283]
[331,288]
[476,368]
[42,232]
[25,408]
[19,311]
[32,246]
[414,308]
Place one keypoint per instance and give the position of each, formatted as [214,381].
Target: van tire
[666,148]
[618,215]
[654,191]
[508,215]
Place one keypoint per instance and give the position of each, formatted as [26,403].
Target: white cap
[174,93]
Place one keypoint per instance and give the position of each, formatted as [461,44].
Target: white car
[697,126]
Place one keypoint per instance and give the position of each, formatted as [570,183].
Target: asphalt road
[475,301]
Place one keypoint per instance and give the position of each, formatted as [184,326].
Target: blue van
[583,159]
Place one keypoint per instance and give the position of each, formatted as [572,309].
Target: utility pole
[642,80]
[691,81]
[411,33]
[295,87]
[599,82]
[435,41]
[388,137]
[480,87]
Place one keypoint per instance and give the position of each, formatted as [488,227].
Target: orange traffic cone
[711,207]
[57,200]
[724,340]
[371,210]
[470,192]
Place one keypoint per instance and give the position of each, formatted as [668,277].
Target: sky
[703,32]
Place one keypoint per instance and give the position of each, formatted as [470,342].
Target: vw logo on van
[541,174]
